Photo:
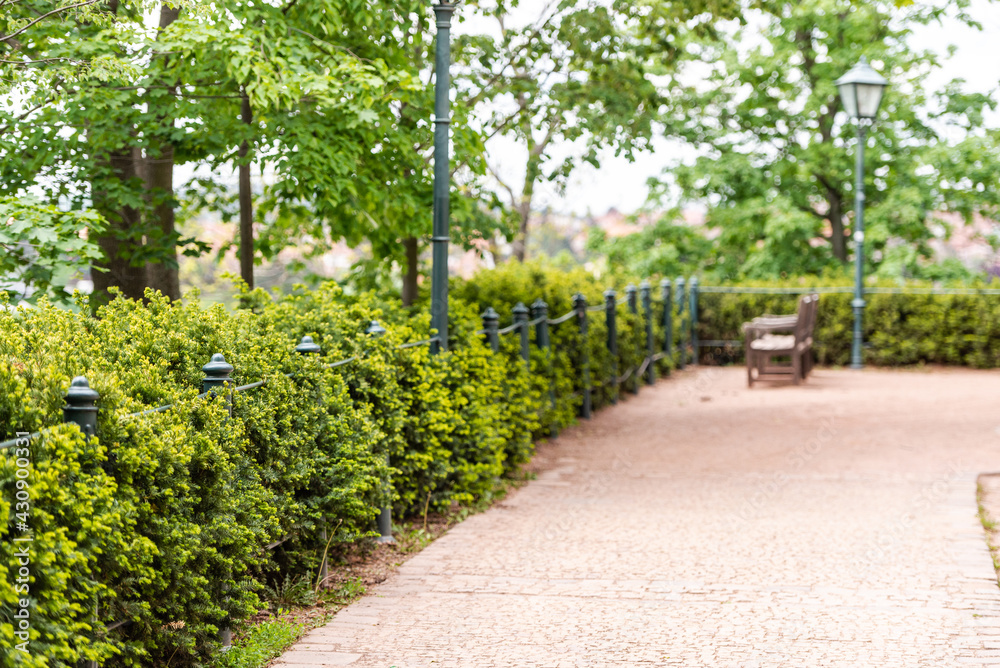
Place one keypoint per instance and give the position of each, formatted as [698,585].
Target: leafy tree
[44,248]
[777,155]
[577,76]
[310,92]
[666,247]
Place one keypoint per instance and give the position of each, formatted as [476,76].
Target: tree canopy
[776,167]
[105,100]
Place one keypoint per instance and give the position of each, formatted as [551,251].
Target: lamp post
[442,177]
[861,94]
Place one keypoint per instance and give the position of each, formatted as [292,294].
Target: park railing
[81,409]
[673,313]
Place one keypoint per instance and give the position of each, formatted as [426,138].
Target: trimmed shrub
[899,329]
[174,522]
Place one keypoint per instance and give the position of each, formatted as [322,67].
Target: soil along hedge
[165,520]
[900,329]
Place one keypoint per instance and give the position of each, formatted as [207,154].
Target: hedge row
[163,520]
[899,329]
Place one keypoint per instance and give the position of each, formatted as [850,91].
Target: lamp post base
[857,344]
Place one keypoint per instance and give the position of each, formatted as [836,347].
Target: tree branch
[27,113]
[39,62]
[810,211]
[46,15]
[332,46]
[503,184]
[540,147]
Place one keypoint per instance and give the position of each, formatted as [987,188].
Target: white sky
[621,184]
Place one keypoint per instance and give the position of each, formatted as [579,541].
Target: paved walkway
[704,524]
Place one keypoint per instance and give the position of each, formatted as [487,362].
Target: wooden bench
[763,342]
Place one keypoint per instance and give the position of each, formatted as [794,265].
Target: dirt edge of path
[988,501]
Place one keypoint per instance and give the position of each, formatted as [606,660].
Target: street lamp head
[861,90]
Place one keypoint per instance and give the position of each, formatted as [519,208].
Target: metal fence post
[668,318]
[631,294]
[647,308]
[309,347]
[217,377]
[521,320]
[81,410]
[540,312]
[81,406]
[681,298]
[384,521]
[216,373]
[580,304]
[609,315]
[491,323]
[693,317]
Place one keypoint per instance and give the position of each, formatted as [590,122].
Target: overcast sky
[621,184]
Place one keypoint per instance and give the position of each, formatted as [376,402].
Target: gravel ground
[704,524]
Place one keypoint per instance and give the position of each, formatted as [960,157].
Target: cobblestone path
[704,524]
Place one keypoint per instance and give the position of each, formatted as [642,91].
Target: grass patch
[990,525]
[262,642]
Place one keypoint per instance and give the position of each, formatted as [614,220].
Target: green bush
[899,329]
[175,522]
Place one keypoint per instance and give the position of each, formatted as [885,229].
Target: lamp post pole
[861,91]
[859,247]
[442,177]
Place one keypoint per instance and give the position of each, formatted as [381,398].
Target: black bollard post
[540,312]
[681,298]
[580,304]
[384,521]
[491,323]
[309,347]
[693,317]
[217,376]
[81,406]
[81,410]
[647,311]
[667,294]
[216,373]
[521,320]
[610,318]
[631,293]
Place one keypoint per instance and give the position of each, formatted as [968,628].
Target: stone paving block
[830,524]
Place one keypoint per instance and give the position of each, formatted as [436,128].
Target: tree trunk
[121,242]
[412,271]
[836,216]
[163,274]
[520,245]
[532,172]
[246,200]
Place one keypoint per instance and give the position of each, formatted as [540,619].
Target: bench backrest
[806,321]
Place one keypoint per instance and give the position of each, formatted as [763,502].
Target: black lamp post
[442,177]
[861,93]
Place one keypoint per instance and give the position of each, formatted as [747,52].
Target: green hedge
[164,520]
[899,329]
